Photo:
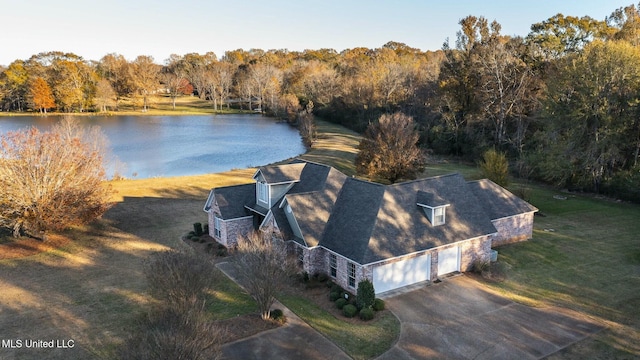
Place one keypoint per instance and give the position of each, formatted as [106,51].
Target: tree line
[561,102]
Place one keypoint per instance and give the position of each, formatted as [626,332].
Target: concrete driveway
[458,319]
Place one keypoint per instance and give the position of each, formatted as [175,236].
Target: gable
[279,174]
[231,200]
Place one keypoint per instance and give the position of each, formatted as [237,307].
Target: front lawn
[360,341]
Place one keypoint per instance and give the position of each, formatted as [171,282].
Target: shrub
[349,310]
[341,302]
[191,233]
[278,316]
[175,334]
[205,228]
[197,228]
[367,314]
[333,296]
[378,305]
[194,238]
[304,277]
[179,278]
[366,294]
[322,277]
[222,252]
[336,288]
[481,267]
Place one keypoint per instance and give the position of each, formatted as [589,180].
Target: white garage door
[401,273]
[448,260]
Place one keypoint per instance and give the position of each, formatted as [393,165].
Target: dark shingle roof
[232,200]
[368,222]
[429,199]
[403,228]
[353,219]
[313,198]
[281,173]
[497,201]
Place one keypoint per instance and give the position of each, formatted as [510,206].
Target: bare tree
[51,180]
[264,267]
[307,126]
[389,149]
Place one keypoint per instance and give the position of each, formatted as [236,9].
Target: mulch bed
[244,326]
[318,293]
[26,246]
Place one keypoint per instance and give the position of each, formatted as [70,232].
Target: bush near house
[366,294]
[349,310]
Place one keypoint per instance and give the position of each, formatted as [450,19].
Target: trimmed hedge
[341,302]
[367,314]
[349,310]
[378,305]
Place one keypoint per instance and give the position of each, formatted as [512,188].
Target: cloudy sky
[92,28]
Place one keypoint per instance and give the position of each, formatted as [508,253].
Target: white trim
[209,202]
[433,207]
[238,218]
[284,182]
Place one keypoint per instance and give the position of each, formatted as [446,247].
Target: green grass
[229,300]
[585,256]
[364,341]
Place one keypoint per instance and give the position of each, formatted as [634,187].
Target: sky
[159,28]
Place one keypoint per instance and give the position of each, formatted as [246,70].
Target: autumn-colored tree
[51,180]
[41,95]
[561,35]
[144,73]
[14,81]
[389,149]
[115,69]
[592,128]
[105,95]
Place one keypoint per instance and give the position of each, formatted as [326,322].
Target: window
[438,216]
[216,227]
[333,264]
[351,272]
[263,192]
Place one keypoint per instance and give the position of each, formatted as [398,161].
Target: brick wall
[230,230]
[513,229]
[474,250]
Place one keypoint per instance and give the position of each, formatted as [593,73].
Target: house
[350,229]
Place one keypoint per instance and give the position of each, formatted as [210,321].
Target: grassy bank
[158,105]
[585,255]
[92,289]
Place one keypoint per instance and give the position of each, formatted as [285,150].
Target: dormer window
[434,207]
[438,216]
[262,192]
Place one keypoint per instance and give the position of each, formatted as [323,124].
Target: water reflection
[151,146]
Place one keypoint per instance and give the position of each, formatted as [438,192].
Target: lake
[152,146]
